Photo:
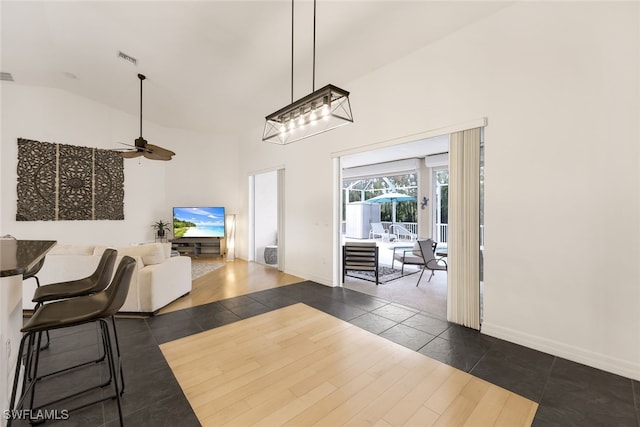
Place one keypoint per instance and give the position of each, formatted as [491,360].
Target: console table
[197,246]
[16,258]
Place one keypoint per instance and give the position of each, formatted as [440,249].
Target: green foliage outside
[444,205]
[443,179]
[362,190]
[180,227]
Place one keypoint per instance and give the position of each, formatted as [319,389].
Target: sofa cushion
[72,250]
[99,250]
[151,253]
[167,249]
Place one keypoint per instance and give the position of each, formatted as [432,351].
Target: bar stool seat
[97,282]
[96,307]
[67,313]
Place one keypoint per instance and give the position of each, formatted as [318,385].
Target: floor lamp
[231,237]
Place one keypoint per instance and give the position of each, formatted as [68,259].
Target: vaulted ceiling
[215,66]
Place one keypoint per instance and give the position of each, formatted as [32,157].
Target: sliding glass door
[441,206]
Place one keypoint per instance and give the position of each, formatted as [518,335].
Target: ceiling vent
[6,77]
[127,58]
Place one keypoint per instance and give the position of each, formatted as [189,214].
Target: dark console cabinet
[206,246]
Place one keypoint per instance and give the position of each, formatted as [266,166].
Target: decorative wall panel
[58,182]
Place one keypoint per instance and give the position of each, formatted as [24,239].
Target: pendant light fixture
[322,110]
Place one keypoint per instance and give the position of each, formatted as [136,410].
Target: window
[441,205]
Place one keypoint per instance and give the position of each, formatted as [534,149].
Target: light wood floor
[234,278]
[298,366]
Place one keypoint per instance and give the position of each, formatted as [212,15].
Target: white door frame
[251,243]
[337,175]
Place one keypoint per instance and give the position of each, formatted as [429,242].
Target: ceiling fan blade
[155,156]
[131,154]
[159,150]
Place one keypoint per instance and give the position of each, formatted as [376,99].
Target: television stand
[195,246]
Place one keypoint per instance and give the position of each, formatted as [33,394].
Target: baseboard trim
[310,277]
[576,354]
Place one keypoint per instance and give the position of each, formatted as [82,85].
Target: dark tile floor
[569,394]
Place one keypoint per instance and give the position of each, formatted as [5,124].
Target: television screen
[198,222]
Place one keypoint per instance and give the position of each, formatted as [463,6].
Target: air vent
[128,58]
[6,77]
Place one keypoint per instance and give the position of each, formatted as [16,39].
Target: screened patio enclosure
[360,185]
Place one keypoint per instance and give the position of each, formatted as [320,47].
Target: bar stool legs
[32,274]
[66,313]
[30,344]
[115,337]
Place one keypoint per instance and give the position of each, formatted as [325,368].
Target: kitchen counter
[16,258]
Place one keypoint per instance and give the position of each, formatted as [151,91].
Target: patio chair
[407,255]
[402,233]
[430,261]
[360,256]
[377,230]
[410,254]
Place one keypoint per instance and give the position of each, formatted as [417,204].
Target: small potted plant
[160,227]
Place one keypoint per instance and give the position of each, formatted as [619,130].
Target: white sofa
[158,278]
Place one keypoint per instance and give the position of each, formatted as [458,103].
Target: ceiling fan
[141,147]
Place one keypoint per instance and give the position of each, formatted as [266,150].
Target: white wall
[559,85]
[196,175]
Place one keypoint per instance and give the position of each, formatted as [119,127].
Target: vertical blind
[463,302]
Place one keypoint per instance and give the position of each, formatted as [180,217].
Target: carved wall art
[58,182]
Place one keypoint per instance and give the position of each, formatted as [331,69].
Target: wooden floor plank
[423,417]
[447,392]
[298,366]
[239,278]
[516,411]
[489,407]
[405,409]
[312,414]
[387,400]
[358,401]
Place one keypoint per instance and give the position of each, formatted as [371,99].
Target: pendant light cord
[313,77]
[292,14]
[313,82]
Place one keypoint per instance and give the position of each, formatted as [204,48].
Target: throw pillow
[99,250]
[167,249]
[152,253]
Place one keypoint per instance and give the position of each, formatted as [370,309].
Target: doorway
[405,168]
[266,202]
[466,253]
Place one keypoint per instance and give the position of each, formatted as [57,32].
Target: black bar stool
[97,282]
[32,274]
[96,307]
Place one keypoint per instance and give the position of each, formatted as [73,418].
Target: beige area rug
[201,267]
[298,366]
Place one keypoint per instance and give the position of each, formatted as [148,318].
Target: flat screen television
[198,222]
